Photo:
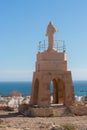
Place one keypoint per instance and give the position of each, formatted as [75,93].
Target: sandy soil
[13,121]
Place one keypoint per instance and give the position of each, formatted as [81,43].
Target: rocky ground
[14,121]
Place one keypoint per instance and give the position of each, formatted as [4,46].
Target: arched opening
[36,90]
[51,92]
[57,91]
[61,91]
[54,91]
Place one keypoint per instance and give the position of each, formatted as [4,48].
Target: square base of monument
[80,110]
[36,111]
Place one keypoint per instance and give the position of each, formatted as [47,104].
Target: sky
[23,24]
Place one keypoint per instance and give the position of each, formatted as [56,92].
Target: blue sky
[23,24]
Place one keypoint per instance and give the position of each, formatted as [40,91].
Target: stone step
[60,111]
[53,111]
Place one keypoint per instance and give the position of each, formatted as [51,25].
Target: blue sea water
[80,87]
[23,87]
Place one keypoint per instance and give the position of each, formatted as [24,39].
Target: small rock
[1,121]
[54,127]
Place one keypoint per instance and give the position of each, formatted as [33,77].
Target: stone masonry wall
[78,110]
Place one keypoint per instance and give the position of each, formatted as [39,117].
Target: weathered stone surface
[35,111]
[78,110]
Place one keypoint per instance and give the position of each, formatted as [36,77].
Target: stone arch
[36,91]
[58,91]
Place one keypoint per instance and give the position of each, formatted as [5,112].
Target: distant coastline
[80,87]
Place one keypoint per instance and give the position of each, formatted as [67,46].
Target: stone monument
[51,67]
[50,33]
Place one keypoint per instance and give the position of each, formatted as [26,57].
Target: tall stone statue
[50,33]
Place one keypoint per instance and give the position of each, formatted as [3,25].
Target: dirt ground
[14,121]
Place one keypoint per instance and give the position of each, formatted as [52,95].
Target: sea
[80,88]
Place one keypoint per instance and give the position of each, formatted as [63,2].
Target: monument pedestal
[52,67]
[36,111]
